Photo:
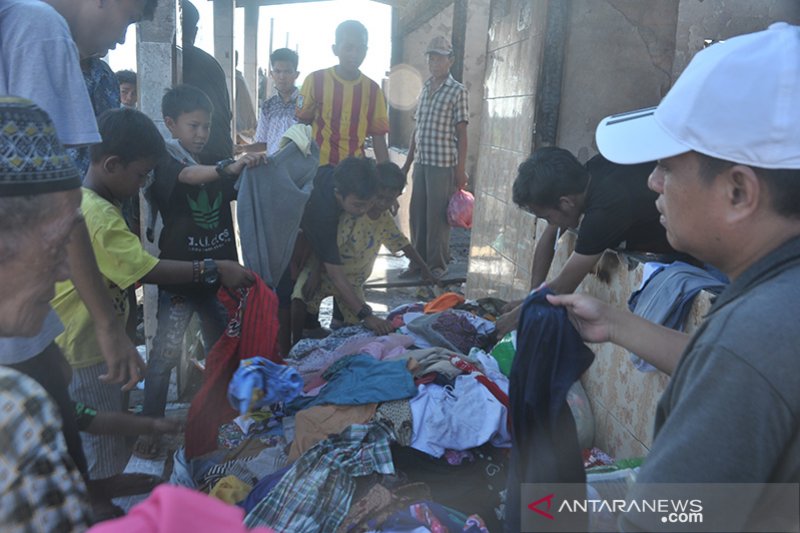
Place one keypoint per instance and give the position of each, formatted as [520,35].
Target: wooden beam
[548,92]
[458,38]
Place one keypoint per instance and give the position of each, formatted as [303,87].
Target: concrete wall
[720,19]
[502,235]
[619,55]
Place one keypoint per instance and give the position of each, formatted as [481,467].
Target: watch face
[211,278]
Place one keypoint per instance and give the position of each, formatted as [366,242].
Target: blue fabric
[361,379]
[278,383]
[551,356]
[666,297]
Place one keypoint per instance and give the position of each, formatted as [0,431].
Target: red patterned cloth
[252,331]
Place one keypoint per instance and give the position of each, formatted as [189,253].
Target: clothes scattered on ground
[360,379]
[252,330]
[666,297]
[551,356]
[315,494]
[259,382]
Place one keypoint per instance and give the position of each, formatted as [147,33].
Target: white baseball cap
[738,100]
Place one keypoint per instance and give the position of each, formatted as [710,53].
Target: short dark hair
[149,9]
[126,76]
[129,135]
[356,175]
[547,175]
[284,54]
[390,176]
[184,99]
[349,27]
[189,19]
[783,184]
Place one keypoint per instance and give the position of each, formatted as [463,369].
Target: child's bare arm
[169,272]
[108,423]
[247,148]
[353,302]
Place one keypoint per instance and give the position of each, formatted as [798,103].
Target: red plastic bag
[459,210]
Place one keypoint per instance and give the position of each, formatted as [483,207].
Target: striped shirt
[342,113]
[276,117]
[437,115]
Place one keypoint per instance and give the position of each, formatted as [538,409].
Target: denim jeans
[174,313]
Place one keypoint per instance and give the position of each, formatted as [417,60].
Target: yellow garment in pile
[230,489]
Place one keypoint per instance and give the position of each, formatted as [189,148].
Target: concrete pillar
[250,67]
[156,72]
[155,49]
[223,48]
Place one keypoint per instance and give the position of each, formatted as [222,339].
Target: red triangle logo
[535,506]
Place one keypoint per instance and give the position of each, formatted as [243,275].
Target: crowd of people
[709,177]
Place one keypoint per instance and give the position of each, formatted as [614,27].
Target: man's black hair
[284,54]
[783,184]
[129,135]
[189,19]
[356,175]
[350,27]
[390,176]
[126,76]
[184,99]
[547,175]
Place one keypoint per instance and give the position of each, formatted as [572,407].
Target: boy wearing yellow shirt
[130,148]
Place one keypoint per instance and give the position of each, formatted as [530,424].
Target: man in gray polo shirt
[728,179]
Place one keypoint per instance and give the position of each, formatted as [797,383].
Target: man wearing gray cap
[40,487]
[439,145]
[728,178]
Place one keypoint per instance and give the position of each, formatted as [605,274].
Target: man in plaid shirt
[439,143]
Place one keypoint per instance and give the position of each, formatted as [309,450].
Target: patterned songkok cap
[32,160]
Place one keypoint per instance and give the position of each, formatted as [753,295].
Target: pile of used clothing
[403,432]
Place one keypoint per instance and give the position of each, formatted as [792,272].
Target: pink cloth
[380,348]
[315,364]
[172,509]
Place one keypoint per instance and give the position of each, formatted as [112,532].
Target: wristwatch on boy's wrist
[224,164]
[364,312]
[209,274]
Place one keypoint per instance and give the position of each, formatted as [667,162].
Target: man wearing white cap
[727,141]
[439,144]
